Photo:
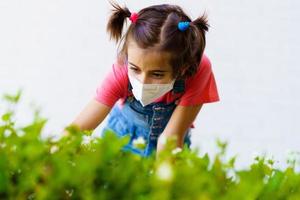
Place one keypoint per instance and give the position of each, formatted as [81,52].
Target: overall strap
[179,86]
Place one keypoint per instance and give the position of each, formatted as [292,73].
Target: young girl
[159,81]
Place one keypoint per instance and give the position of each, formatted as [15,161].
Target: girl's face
[148,67]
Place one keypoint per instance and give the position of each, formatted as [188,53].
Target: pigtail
[201,23]
[198,30]
[116,21]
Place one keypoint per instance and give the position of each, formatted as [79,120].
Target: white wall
[58,52]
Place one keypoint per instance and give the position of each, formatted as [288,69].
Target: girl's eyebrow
[155,70]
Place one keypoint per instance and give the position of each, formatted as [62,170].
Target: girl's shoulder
[205,64]
[120,71]
[121,75]
[204,69]
[201,87]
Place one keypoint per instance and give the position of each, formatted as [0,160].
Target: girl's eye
[158,75]
[134,69]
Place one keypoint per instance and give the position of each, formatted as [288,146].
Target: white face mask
[147,93]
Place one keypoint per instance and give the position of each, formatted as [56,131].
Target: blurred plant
[78,166]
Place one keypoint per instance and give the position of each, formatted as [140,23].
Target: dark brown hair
[156,28]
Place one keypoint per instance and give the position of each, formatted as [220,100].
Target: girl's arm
[180,121]
[91,116]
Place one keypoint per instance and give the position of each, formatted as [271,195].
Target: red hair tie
[133,18]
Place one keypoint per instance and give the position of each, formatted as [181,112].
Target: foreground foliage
[78,166]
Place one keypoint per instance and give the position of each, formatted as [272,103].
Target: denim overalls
[147,122]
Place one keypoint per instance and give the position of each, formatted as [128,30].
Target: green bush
[73,168]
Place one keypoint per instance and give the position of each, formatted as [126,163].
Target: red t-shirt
[199,88]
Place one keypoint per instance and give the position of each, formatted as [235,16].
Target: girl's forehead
[148,57]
